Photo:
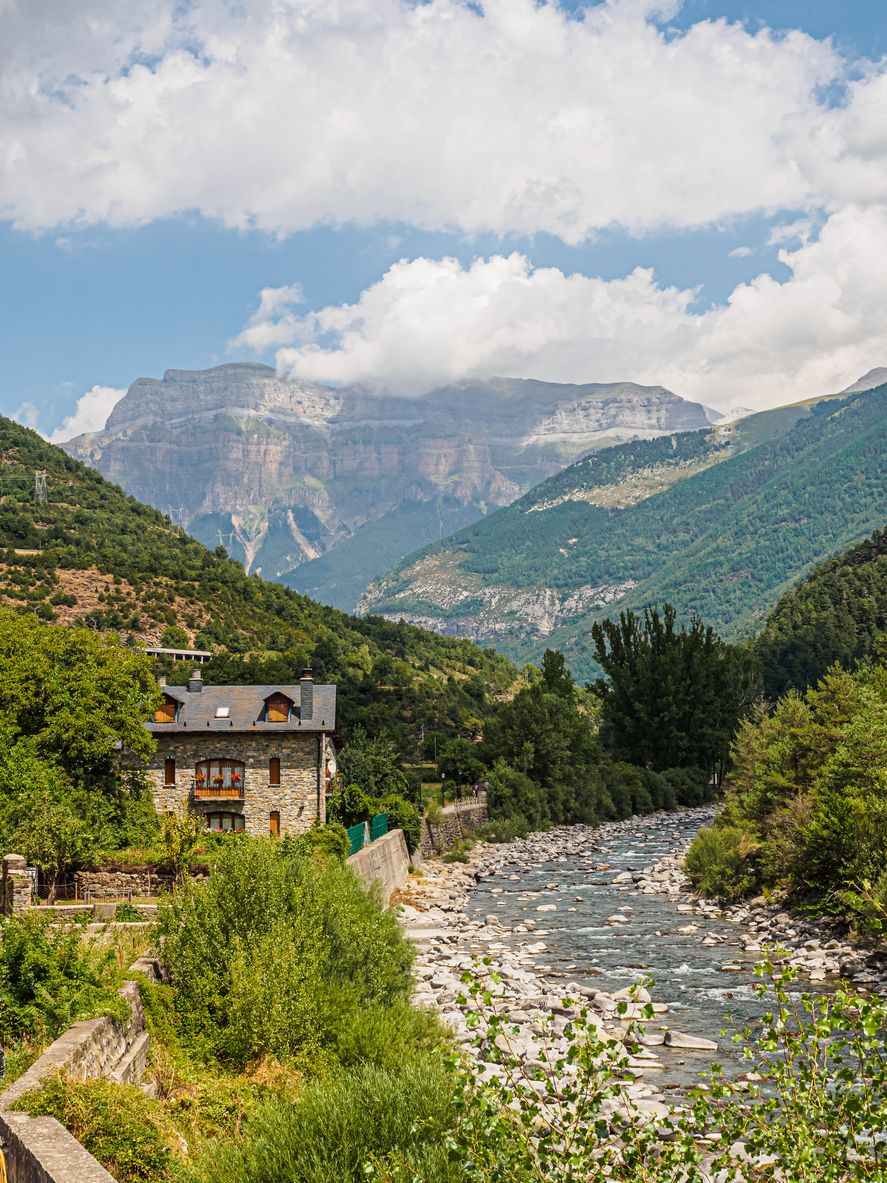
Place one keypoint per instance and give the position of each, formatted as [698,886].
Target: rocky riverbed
[587,914]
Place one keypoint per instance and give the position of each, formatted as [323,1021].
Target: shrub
[402,815]
[329,841]
[277,950]
[720,862]
[117,1124]
[505,829]
[511,794]
[50,978]
[689,786]
[350,806]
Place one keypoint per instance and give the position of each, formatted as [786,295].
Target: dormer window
[166,712]
[277,709]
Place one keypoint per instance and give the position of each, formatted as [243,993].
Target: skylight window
[223,712]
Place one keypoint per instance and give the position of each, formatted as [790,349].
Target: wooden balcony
[206,792]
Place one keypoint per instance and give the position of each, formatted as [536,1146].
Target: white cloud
[90,414]
[510,117]
[273,323]
[799,230]
[428,322]
[26,414]
[741,252]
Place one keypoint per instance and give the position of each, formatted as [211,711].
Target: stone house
[253,758]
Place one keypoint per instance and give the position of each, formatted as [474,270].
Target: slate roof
[197,711]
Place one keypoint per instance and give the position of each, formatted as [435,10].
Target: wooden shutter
[274,770]
[274,826]
[278,710]
[166,712]
[169,771]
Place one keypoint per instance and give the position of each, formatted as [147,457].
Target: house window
[274,825]
[166,712]
[219,778]
[274,770]
[231,823]
[277,708]
[169,771]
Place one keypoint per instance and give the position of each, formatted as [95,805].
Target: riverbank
[451,943]
[563,913]
[817,948]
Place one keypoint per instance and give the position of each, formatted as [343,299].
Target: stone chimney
[306,695]
[195,682]
[161,680]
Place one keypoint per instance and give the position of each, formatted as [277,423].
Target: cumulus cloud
[27,414]
[90,414]
[273,323]
[427,322]
[510,116]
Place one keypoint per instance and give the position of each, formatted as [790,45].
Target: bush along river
[588,914]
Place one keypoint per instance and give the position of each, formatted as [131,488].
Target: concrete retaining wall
[40,1149]
[456,822]
[385,861]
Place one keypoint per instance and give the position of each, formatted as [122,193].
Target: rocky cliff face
[324,488]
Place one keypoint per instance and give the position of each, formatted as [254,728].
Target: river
[656,940]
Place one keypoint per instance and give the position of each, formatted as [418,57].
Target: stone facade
[298,798]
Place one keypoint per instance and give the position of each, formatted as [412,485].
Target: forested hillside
[90,554]
[838,614]
[724,542]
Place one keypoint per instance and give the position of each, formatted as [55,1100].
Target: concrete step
[131,1068]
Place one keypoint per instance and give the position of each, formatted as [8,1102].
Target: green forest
[724,543]
[838,614]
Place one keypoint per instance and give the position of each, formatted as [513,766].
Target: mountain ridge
[283,472]
[768,498]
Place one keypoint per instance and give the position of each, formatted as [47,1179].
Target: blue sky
[132,291]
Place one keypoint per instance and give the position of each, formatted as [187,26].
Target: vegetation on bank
[806,810]
[838,614]
[281,1056]
[288,982]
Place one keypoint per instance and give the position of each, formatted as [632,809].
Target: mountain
[839,613]
[720,522]
[86,553]
[869,381]
[324,488]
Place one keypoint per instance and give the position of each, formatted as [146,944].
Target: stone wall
[40,1149]
[301,754]
[456,821]
[120,884]
[385,861]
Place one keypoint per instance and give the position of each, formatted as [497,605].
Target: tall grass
[399,1115]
